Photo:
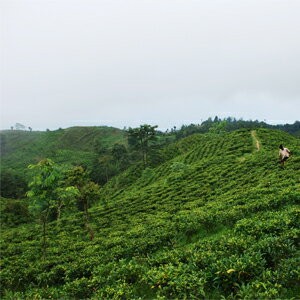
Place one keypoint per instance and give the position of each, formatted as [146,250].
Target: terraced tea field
[216,219]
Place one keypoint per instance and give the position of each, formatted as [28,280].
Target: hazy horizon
[136,124]
[166,63]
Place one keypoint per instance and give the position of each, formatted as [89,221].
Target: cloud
[133,61]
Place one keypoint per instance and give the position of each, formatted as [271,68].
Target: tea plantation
[217,219]
[75,144]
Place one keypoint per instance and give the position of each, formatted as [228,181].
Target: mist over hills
[212,215]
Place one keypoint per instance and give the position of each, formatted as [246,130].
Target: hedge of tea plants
[217,219]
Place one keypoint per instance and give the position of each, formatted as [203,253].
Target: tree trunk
[86,212]
[44,219]
[106,173]
[59,210]
[44,236]
[90,231]
[146,157]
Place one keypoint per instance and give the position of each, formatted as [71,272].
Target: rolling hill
[75,145]
[219,217]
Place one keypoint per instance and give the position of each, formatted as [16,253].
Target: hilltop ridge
[73,138]
[74,145]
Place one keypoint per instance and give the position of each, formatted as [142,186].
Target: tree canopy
[140,138]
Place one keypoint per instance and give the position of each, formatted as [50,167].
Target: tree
[141,138]
[48,192]
[48,189]
[99,147]
[105,168]
[218,128]
[88,192]
[216,119]
[120,156]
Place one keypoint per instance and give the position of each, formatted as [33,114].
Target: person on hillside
[284,154]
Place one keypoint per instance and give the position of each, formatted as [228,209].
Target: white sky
[165,62]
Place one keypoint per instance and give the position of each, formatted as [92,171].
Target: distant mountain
[218,217]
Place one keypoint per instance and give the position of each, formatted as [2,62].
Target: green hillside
[74,145]
[71,146]
[219,218]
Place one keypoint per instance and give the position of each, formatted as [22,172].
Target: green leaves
[47,187]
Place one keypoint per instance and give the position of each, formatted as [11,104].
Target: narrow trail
[255,139]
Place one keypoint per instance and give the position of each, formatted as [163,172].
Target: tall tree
[88,192]
[140,138]
[48,192]
[120,156]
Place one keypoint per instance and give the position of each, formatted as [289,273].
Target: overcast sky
[166,62]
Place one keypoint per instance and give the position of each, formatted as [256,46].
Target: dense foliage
[217,217]
[231,124]
[72,146]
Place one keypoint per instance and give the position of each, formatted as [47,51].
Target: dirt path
[255,139]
